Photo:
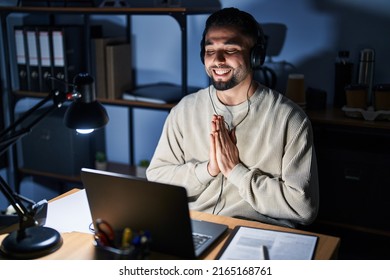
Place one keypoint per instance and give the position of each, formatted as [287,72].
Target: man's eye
[231,51]
[210,52]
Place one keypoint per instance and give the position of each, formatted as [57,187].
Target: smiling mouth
[221,72]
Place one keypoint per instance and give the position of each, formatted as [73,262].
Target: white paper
[254,244]
[132,97]
[70,213]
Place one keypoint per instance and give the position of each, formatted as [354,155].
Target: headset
[257,54]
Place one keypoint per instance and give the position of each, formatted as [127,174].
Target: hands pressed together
[224,155]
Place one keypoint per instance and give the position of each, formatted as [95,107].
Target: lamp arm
[28,113]
[9,136]
[7,140]
[26,219]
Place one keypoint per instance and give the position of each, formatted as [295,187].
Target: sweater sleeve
[169,164]
[293,195]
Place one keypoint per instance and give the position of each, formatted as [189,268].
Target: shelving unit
[11,95]
[179,14]
[353,158]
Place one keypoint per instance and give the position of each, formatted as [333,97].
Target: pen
[104,233]
[126,237]
[264,252]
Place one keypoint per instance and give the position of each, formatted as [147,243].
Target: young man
[239,148]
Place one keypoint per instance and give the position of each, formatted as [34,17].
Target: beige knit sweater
[276,181]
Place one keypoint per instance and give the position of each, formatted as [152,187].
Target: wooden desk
[79,246]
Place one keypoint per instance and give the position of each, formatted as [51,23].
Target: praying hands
[224,155]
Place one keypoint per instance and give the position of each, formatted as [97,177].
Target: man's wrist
[212,174]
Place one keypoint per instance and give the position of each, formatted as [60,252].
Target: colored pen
[126,237]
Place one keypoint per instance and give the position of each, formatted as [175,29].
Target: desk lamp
[31,239]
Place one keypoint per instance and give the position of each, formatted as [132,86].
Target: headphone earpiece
[202,50]
[257,56]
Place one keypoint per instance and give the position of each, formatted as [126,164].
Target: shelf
[111,10]
[116,102]
[139,104]
[334,116]
[112,167]
[57,176]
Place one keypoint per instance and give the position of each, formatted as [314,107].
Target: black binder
[45,61]
[31,37]
[67,49]
[21,58]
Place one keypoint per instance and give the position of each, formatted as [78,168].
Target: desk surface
[79,246]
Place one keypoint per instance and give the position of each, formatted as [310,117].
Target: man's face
[226,56]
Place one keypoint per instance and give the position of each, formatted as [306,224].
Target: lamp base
[31,243]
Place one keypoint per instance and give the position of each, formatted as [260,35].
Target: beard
[219,85]
[238,76]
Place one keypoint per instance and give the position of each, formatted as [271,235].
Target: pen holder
[138,249]
[112,253]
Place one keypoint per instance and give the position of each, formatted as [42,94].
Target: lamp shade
[81,115]
[86,112]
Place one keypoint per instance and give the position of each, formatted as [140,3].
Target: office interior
[313,32]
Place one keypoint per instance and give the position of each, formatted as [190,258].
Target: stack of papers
[63,218]
[246,243]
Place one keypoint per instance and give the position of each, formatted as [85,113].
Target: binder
[45,59]
[58,48]
[119,70]
[99,59]
[33,59]
[67,49]
[21,58]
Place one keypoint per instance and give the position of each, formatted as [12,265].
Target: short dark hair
[234,17]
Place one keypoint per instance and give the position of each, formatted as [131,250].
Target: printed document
[248,243]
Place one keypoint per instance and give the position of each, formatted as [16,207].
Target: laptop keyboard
[199,239]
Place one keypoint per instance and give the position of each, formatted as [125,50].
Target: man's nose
[220,57]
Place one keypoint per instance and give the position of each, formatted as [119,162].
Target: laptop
[128,201]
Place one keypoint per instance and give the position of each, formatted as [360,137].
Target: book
[247,243]
[119,69]
[99,60]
